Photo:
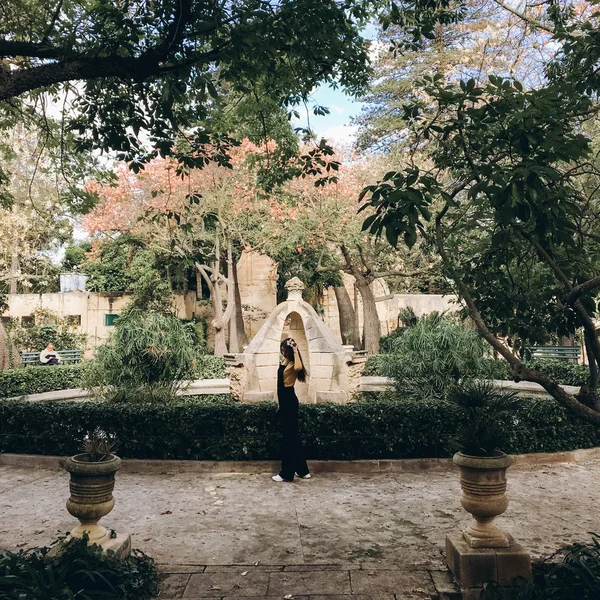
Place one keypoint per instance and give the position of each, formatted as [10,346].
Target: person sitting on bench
[48,356]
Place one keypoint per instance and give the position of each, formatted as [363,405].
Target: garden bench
[66,356]
[558,352]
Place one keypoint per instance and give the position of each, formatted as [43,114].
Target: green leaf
[368,222]
[391,234]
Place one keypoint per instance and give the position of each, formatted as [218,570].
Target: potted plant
[485,412]
[91,485]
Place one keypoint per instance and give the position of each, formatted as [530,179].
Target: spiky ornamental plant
[99,445]
[486,414]
[147,358]
[432,356]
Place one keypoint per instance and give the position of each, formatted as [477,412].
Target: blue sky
[336,125]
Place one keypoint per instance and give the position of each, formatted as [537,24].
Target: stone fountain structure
[333,370]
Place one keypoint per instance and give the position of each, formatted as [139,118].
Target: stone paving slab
[208,528]
[413,583]
[226,584]
[319,584]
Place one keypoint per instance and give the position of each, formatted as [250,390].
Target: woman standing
[292,453]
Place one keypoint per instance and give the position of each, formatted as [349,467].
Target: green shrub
[373,366]
[571,573]
[35,380]
[198,331]
[486,414]
[221,429]
[563,371]
[147,357]
[38,379]
[498,369]
[432,355]
[387,342]
[80,571]
[209,366]
[35,338]
[407,318]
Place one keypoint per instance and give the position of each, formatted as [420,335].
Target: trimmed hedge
[35,380]
[227,430]
[565,372]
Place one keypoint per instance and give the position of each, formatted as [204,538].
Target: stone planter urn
[483,483]
[91,487]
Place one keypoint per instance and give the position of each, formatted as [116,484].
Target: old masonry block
[473,567]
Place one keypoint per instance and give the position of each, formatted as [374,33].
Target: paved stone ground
[337,535]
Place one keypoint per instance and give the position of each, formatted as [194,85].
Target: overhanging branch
[139,68]
[525,17]
[588,285]
[519,369]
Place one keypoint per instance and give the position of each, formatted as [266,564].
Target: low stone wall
[523,388]
[201,387]
[405,465]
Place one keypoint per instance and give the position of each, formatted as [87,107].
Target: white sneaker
[307,476]
[277,478]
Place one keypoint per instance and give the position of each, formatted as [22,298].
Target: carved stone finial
[295,288]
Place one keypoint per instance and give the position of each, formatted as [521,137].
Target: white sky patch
[337,109]
[339,135]
[377,47]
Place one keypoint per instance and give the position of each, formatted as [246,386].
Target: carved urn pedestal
[483,483]
[483,552]
[91,487]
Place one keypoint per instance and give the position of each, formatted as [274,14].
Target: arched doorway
[294,327]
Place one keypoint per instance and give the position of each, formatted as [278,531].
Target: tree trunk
[357,337]
[4,349]
[198,285]
[371,323]
[14,269]
[347,317]
[232,331]
[238,316]
[222,316]
[218,322]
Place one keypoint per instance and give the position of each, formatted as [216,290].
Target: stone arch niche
[333,370]
[293,327]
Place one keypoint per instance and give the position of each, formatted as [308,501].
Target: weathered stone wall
[92,308]
[387,308]
[257,279]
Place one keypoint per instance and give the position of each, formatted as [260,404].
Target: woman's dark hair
[288,353]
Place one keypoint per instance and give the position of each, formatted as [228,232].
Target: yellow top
[290,373]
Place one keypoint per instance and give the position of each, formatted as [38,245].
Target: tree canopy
[510,197]
[139,77]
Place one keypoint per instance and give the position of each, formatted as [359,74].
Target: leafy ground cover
[80,571]
[571,573]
